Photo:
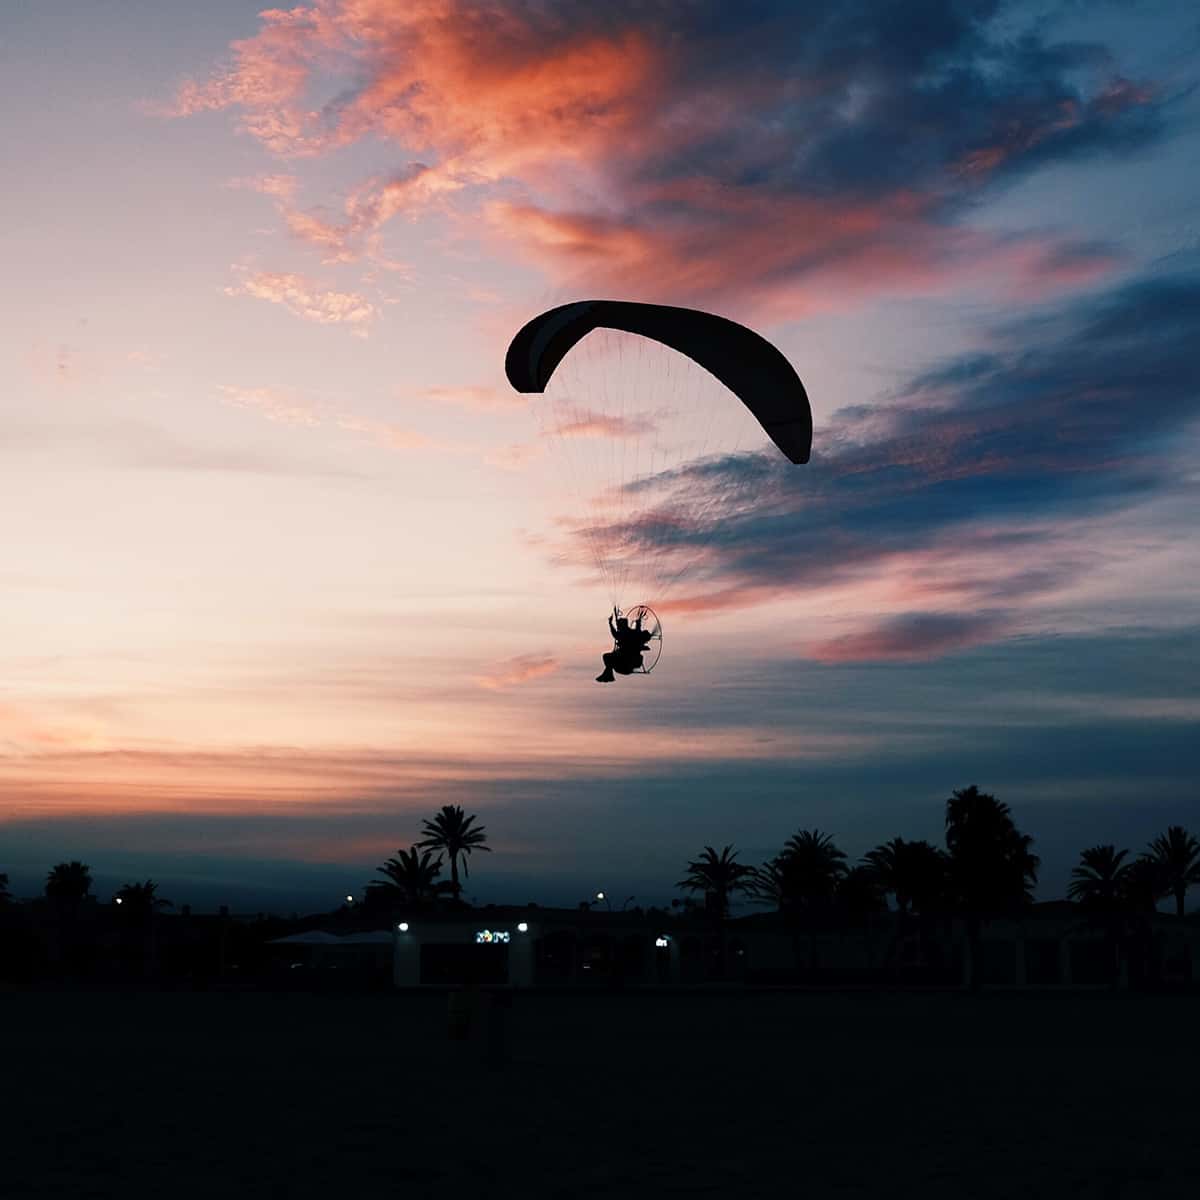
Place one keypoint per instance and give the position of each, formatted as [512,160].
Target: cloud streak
[790,157]
[987,486]
[304,298]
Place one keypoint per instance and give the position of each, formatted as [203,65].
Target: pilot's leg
[606,676]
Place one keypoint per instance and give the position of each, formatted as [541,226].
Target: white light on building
[662,943]
[522,927]
[403,927]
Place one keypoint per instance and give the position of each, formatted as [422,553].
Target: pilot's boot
[605,676]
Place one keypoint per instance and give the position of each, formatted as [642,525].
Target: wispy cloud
[984,488]
[278,405]
[634,146]
[522,669]
[308,300]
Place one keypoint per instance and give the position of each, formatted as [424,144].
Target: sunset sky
[287,564]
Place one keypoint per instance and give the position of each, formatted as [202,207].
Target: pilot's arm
[612,628]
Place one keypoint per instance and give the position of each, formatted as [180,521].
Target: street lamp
[602,896]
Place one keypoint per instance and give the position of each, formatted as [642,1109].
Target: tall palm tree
[993,869]
[1144,885]
[1178,855]
[1101,885]
[69,882]
[916,874]
[140,903]
[410,879]
[451,832]
[802,882]
[141,899]
[66,886]
[718,877]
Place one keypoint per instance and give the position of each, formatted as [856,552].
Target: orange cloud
[518,670]
[791,255]
[620,153]
[305,299]
[588,424]
[272,403]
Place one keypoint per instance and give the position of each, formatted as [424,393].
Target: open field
[182,1095]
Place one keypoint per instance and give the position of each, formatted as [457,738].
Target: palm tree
[68,883]
[1178,855]
[718,877]
[141,898]
[1144,885]
[1101,885]
[139,903]
[411,880]
[992,866]
[450,831]
[802,882]
[916,874]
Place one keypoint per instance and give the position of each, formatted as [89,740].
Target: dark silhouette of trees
[69,882]
[141,899]
[1100,883]
[717,877]
[451,832]
[992,868]
[5,894]
[410,881]
[139,903]
[1177,854]
[67,885]
[802,883]
[917,875]
[1144,885]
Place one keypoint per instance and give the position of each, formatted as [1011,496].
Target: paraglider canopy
[746,363]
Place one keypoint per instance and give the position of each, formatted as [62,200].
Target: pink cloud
[585,143]
[588,424]
[914,638]
[515,671]
[305,299]
[273,404]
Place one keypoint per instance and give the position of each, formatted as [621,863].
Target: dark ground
[220,1095]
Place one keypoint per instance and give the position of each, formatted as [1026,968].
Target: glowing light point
[599,895]
[522,927]
[118,900]
[403,927]
[662,942]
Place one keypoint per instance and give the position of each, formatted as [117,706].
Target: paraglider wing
[746,363]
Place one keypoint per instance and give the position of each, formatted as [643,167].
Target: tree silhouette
[917,875]
[450,831]
[802,883]
[992,868]
[141,899]
[1144,884]
[69,882]
[1100,883]
[66,886]
[5,894]
[411,880]
[718,877]
[140,903]
[1177,853]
